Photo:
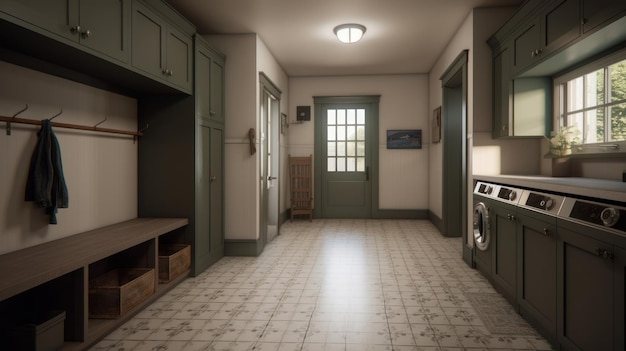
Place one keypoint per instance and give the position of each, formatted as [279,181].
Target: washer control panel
[541,202]
[595,214]
[485,189]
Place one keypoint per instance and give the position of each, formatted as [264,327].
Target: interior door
[346,187]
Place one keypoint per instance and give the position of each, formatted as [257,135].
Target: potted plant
[560,144]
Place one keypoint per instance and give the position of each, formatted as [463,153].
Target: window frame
[560,94]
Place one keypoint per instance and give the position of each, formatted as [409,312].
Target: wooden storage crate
[173,261]
[114,293]
[45,334]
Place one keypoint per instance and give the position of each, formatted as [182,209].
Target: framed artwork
[435,136]
[404,139]
[284,123]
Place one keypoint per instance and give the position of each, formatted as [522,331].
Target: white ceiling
[403,36]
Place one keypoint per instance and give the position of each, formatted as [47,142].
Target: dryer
[481,232]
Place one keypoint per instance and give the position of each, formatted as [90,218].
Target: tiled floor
[327,285]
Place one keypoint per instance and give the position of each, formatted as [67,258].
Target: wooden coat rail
[68,126]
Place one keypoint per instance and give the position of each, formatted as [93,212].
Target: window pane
[360,116]
[341,133]
[360,164]
[351,149]
[360,133]
[331,134]
[618,122]
[341,149]
[341,164]
[575,88]
[617,74]
[594,88]
[332,117]
[360,149]
[332,148]
[351,166]
[332,164]
[351,132]
[341,116]
[594,126]
[351,117]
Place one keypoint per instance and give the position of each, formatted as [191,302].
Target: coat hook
[99,123]
[140,131]
[15,115]
[55,116]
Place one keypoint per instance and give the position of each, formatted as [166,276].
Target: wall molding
[243,247]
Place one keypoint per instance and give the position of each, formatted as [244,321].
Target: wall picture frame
[404,139]
[435,135]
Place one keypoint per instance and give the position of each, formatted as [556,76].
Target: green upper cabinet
[101,26]
[210,82]
[160,50]
[556,26]
[502,93]
[597,12]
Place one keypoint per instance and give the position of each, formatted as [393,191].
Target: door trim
[318,161]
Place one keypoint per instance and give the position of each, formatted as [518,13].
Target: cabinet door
[526,47]
[178,66]
[620,300]
[502,93]
[537,273]
[105,27]
[585,293]
[148,42]
[596,12]
[217,90]
[561,24]
[504,259]
[210,196]
[54,16]
[203,82]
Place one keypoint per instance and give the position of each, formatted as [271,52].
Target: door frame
[266,85]
[319,159]
[455,168]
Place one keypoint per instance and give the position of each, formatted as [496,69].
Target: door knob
[212,179]
[272,178]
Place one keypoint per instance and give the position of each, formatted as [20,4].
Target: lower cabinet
[537,237]
[590,293]
[504,261]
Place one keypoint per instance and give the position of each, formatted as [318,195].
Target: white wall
[100,170]
[246,56]
[485,155]
[403,105]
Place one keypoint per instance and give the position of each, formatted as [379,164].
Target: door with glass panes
[345,146]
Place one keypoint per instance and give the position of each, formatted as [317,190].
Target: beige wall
[403,180]
[100,170]
[246,56]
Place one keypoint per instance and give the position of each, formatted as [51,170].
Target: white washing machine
[481,233]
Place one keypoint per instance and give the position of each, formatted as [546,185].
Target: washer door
[481,226]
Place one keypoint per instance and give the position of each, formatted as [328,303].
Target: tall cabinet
[181,160]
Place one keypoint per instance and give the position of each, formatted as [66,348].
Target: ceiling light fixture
[349,33]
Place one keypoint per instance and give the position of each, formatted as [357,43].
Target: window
[592,100]
[346,140]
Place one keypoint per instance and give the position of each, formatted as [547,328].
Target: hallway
[334,285]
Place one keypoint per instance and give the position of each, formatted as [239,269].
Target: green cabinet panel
[546,33]
[586,293]
[160,50]
[210,94]
[101,26]
[537,271]
[597,12]
[504,260]
[209,90]
[502,93]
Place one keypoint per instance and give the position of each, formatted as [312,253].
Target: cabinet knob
[583,21]
[75,29]
[212,179]
[212,113]
[166,72]
[510,217]
[86,34]
[605,254]
[546,232]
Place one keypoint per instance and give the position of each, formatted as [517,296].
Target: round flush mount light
[349,33]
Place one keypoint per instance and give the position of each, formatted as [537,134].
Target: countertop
[600,189]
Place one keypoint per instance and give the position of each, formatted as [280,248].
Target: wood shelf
[64,266]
